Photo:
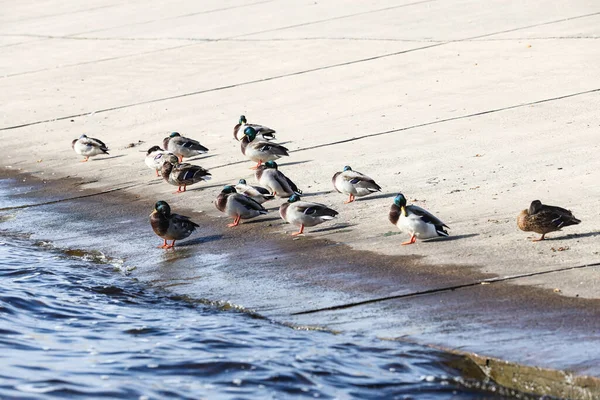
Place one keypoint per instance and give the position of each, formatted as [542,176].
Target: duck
[416,221]
[183,174]
[269,176]
[170,226]
[354,184]
[155,157]
[88,147]
[260,151]
[237,205]
[305,213]
[263,132]
[256,193]
[543,219]
[182,146]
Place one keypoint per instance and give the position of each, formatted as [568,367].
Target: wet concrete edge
[525,379]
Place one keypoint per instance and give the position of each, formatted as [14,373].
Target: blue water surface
[73,324]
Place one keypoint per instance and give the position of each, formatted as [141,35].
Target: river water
[74,324]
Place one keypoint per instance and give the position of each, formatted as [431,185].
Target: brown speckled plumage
[544,219]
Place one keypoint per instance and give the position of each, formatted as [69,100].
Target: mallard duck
[418,222]
[170,226]
[542,219]
[155,158]
[256,193]
[183,174]
[182,146]
[262,132]
[88,147]
[260,151]
[354,183]
[305,213]
[237,205]
[270,177]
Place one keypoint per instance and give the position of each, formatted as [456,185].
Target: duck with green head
[182,146]
[263,132]
[354,184]
[269,176]
[183,174]
[170,226]
[416,221]
[256,193]
[305,213]
[543,219]
[237,205]
[156,157]
[260,151]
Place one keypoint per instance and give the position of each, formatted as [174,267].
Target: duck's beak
[152,213]
[403,210]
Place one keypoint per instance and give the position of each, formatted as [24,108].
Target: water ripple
[73,328]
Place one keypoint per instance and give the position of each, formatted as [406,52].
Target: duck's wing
[426,216]
[316,210]
[190,144]
[289,182]
[263,130]
[248,202]
[190,173]
[88,141]
[360,180]
[183,221]
[270,148]
[558,216]
[261,190]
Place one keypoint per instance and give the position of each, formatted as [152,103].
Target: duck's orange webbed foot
[300,232]
[413,239]
[236,222]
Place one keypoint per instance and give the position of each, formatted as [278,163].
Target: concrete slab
[95,86]
[588,26]
[438,21]
[473,130]
[518,328]
[254,17]
[68,53]
[57,19]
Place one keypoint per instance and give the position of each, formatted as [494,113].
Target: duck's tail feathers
[563,221]
[441,231]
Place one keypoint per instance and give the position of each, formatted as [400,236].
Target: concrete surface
[471,109]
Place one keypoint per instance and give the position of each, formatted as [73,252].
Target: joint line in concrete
[67,199]
[477,114]
[231,86]
[443,289]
